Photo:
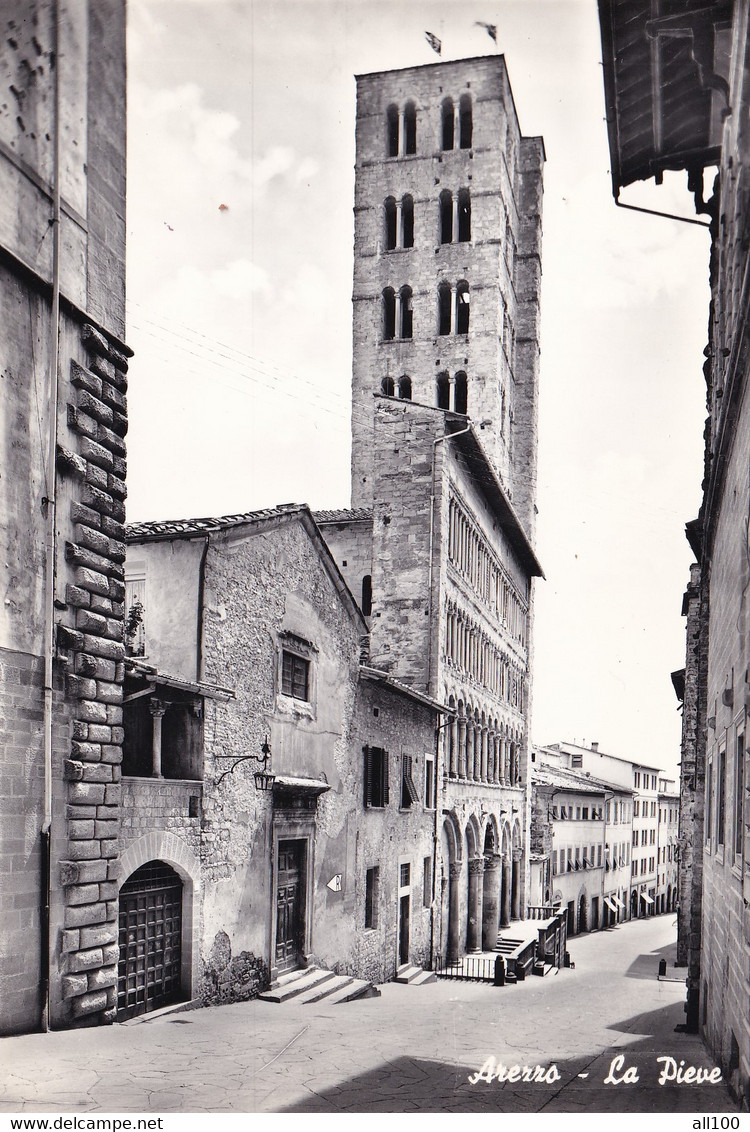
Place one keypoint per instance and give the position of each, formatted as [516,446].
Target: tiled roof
[343,515]
[175,528]
[564,778]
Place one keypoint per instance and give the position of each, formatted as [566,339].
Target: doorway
[404,911]
[290,904]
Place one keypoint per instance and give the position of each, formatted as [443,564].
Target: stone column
[505,908]
[453,746]
[516,886]
[491,902]
[157,708]
[476,875]
[462,746]
[483,755]
[454,874]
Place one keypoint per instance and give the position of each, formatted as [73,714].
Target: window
[407,222]
[376,777]
[399,223]
[429,782]
[653,782]
[739,796]
[388,387]
[447,116]
[637,779]
[576,761]
[389,314]
[721,796]
[295,675]
[409,795]
[135,609]
[427,883]
[461,394]
[391,118]
[404,875]
[585,813]
[372,887]
[367,595]
[554,862]
[446,217]
[410,128]
[403,388]
[462,308]
[406,326]
[652,837]
[465,121]
[635,836]
[709,800]
[390,223]
[636,809]
[445,298]
[464,216]
[443,391]
[598,856]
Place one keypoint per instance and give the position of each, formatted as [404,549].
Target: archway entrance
[150,938]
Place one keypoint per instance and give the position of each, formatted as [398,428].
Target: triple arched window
[455,216]
[401,130]
[398,314]
[452,392]
[452,124]
[453,308]
[399,222]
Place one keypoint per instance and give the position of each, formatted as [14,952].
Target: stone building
[251,645]
[447,274]
[676,89]
[62,398]
[667,848]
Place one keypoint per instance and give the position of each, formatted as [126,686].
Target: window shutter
[386,795]
[368,775]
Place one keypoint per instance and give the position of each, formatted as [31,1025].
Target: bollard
[662,967]
[499,972]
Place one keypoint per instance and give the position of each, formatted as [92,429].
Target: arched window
[462,307]
[367,595]
[405,329]
[390,223]
[444,308]
[404,388]
[391,117]
[446,217]
[443,391]
[407,222]
[389,314]
[461,393]
[410,128]
[464,215]
[386,386]
[465,122]
[447,121]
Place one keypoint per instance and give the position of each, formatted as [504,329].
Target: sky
[240,232]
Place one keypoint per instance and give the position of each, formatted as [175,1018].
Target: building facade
[447,268]
[677,92]
[63,400]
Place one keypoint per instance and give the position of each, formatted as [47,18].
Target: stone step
[294,983]
[413,975]
[347,990]
[314,984]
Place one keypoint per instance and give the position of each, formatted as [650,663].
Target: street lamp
[264,780]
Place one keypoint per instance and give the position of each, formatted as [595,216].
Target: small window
[461,394]
[464,216]
[576,761]
[429,782]
[721,796]
[444,310]
[427,883]
[407,222]
[446,217]
[447,115]
[390,223]
[372,887]
[585,813]
[466,123]
[443,391]
[389,314]
[391,116]
[404,388]
[409,795]
[387,386]
[410,128]
[295,676]
[367,595]
[376,778]
[462,308]
[404,875]
[407,325]
[739,797]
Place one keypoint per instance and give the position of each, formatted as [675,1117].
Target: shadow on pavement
[418,1085]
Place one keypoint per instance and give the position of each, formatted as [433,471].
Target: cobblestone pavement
[412,1050]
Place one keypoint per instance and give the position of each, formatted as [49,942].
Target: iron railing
[472,967]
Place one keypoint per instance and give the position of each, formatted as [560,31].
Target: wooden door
[289,905]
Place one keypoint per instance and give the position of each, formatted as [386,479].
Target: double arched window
[399,222]
[452,392]
[397,313]
[453,308]
[401,387]
[455,216]
[401,130]
[448,123]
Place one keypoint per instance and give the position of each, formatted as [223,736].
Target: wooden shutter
[368,775]
[386,794]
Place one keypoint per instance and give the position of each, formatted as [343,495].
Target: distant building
[447,270]
[676,89]
[62,489]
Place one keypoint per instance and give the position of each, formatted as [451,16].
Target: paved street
[412,1050]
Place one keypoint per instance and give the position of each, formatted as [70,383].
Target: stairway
[506,944]
[314,984]
[413,975]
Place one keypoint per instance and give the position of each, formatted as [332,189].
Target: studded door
[289,905]
[150,940]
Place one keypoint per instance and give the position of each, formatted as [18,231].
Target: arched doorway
[634,906]
[582,920]
[150,939]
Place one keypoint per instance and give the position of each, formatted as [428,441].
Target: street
[414,1049]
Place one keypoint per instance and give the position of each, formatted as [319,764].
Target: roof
[562,778]
[664,101]
[618,758]
[343,515]
[148,672]
[467,440]
[380,677]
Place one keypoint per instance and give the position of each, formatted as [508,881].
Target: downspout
[199,625]
[49,512]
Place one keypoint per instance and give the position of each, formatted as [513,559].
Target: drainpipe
[440,439]
[49,513]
